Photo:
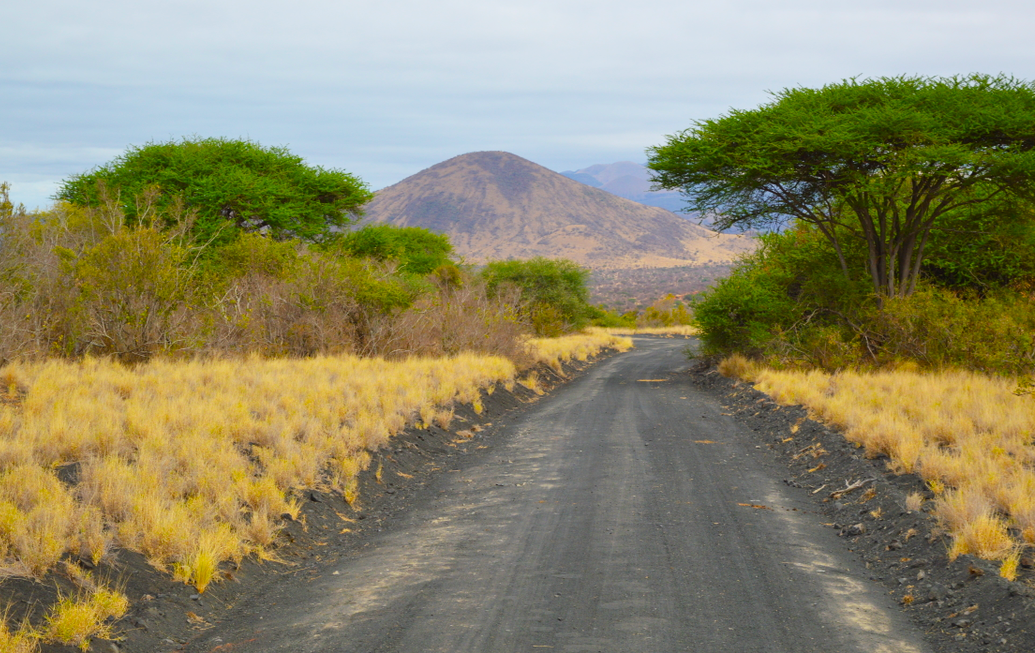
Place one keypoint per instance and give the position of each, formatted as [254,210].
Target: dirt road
[623,513]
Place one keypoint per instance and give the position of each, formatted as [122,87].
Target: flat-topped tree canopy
[878,160]
[232,185]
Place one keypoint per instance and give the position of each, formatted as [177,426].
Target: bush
[78,281]
[741,313]
[553,292]
[459,316]
[416,250]
[667,311]
[789,305]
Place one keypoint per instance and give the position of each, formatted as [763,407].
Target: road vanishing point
[624,513]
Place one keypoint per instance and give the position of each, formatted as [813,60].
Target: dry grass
[674,330]
[146,438]
[21,640]
[969,435]
[74,620]
[194,463]
[145,441]
[580,346]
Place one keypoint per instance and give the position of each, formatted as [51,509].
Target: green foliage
[417,250]
[603,317]
[231,185]
[254,253]
[788,305]
[875,164]
[983,247]
[740,313]
[667,311]
[553,290]
[6,207]
[131,289]
[938,328]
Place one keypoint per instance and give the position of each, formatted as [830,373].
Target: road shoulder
[962,605]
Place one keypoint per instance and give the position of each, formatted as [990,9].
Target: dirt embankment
[962,605]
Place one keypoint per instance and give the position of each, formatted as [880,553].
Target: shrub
[554,292]
[667,311]
[740,313]
[416,250]
[789,304]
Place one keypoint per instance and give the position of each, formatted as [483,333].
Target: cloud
[385,89]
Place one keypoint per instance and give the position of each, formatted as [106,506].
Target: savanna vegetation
[209,300]
[898,300]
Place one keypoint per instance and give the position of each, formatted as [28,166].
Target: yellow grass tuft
[22,640]
[580,346]
[737,366]
[914,501]
[74,620]
[966,434]
[1011,564]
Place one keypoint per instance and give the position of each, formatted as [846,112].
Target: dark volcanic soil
[963,605]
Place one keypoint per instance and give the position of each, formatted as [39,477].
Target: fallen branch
[849,487]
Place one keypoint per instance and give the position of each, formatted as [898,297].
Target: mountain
[496,205]
[629,180]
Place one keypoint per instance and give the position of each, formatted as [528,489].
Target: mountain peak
[497,205]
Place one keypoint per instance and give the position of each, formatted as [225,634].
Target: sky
[385,89]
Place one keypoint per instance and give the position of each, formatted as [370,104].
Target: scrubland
[172,397]
[967,434]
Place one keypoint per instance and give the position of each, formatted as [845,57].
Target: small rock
[894,545]
[313,496]
[920,575]
[855,530]
[937,593]
[85,562]
[962,623]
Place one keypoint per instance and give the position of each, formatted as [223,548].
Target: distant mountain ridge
[496,205]
[629,180]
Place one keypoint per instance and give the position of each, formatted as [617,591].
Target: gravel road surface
[623,513]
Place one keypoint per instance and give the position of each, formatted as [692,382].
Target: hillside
[496,205]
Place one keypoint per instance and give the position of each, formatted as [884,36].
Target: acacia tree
[231,186]
[879,160]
